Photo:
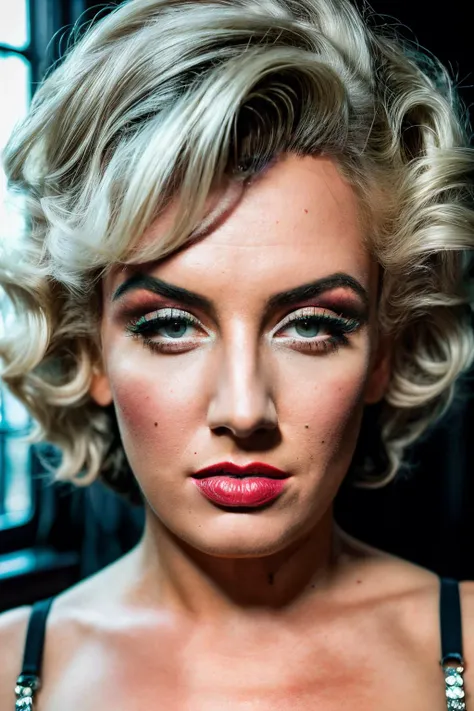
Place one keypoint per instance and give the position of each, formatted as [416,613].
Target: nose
[241,400]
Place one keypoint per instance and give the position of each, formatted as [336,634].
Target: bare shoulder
[81,614]
[408,596]
[467,608]
[419,589]
[467,603]
[13,626]
[405,594]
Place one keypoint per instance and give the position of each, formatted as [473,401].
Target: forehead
[298,221]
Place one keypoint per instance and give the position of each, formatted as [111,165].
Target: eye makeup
[339,328]
[357,305]
[148,325]
[147,329]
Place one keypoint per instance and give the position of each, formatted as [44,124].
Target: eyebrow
[282,299]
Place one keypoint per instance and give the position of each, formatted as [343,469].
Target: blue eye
[166,324]
[173,330]
[177,327]
[309,324]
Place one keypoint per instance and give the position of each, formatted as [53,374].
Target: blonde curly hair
[168,99]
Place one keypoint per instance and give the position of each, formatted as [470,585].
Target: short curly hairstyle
[166,100]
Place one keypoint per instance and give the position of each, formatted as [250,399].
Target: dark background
[425,516]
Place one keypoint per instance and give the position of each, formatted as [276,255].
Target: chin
[245,535]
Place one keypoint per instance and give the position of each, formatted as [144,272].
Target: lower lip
[250,491]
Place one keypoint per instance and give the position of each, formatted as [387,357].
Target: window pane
[15,92]
[15,465]
[13,415]
[14,25]
[17,480]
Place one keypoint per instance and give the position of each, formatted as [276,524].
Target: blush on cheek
[153,418]
[144,421]
[133,401]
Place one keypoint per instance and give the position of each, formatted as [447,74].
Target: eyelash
[340,327]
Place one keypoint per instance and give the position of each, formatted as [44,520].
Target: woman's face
[241,373]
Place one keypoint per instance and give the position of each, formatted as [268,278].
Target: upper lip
[252,469]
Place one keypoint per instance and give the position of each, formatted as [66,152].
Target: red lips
[252,469]
[227,484]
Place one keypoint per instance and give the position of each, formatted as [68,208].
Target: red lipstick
[227,484]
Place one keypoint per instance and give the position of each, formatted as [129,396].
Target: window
[31,39]
[15,83]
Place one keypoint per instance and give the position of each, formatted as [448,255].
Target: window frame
[49,20]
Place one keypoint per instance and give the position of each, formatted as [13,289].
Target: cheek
[324,406]
[153,406]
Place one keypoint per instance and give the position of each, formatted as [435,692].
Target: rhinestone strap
[455,694]
[25,689]
[27,685]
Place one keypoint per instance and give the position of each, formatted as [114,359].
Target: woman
[249,222]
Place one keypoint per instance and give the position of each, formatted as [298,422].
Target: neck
[170,573]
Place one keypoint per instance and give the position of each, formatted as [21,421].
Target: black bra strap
[33,654]
[450,621]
